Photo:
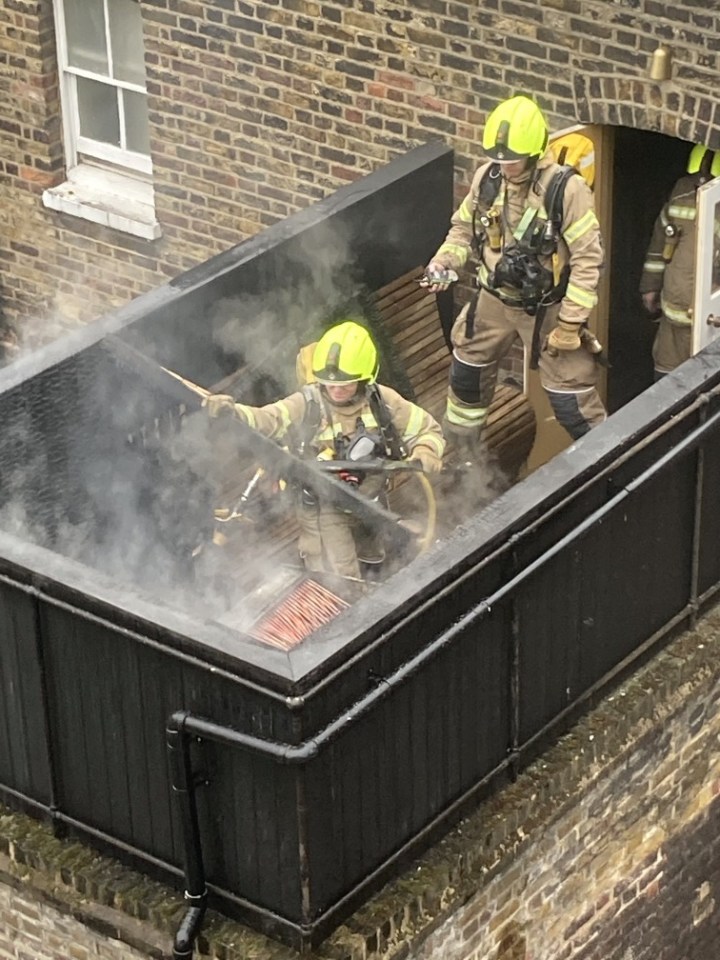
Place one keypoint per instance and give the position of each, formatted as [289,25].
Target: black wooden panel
[595,602]
[384,780]
[110,698]
[248,809]
[258,301]
[709,554]
[24,758]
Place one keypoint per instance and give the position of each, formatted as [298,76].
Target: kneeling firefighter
[530,222]
[343,415]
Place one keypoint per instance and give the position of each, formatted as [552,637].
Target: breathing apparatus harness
[519,266]
[671,231]
[386,443]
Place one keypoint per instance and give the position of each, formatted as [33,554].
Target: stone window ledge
[109,198]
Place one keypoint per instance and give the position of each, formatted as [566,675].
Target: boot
[471,479]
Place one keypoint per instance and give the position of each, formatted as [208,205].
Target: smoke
[314,290]
[104,464]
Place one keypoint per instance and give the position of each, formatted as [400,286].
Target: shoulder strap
[489,186]
[555,193]
[312,417]
[389,431]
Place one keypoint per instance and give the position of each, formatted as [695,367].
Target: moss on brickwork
[623,729]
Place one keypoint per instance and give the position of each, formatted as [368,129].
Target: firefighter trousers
[333,541]
[672,345]
[569,378]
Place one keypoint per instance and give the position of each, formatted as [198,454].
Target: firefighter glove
[219,404]
[430,462]
[565,336]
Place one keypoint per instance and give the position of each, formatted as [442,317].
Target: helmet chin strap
[529,173]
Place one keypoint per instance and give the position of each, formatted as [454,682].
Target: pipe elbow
[188,932]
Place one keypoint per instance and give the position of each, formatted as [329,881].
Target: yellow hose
[428,537]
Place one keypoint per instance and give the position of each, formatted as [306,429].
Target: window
[100,43]
[105,115]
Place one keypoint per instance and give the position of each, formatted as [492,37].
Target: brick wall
[606,848]
[628,867]
[257,109]
[33,930]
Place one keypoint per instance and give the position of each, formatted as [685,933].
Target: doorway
[636,170]
[645,167]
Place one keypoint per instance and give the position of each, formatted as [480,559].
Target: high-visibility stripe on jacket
[579,247]
[676,279]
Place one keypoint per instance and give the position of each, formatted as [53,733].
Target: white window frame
[76,145]
[106,184]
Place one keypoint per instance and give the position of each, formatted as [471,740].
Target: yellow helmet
[705,161]
[345,354]
[515,129]
[576,150]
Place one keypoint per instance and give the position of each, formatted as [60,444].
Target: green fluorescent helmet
[345,354]
[515,129]
[705,161]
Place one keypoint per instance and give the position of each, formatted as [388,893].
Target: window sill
[109,198]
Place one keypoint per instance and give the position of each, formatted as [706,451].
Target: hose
[425,542]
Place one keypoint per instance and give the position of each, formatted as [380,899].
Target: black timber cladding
[396,716]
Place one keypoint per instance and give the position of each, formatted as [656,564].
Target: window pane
[85,34]
[98,108]
[136,122]
[127,41]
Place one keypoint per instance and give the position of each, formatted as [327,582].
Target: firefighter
[667,284]
[532,226]
[343,410]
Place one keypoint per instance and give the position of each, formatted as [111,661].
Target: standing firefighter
[532,226]
[336,417]
[667,284]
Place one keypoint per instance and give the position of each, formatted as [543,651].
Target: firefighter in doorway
[531,224]
[667,284]
[343,414]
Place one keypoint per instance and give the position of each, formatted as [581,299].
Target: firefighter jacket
[579,250]
[673,274]
[419,432]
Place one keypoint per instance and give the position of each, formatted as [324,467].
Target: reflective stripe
[430,440]
[653,266]
[414,423]
[455,250]
[581,296]
[578,229]
[284,418]
[327,434]
[674,313]
[682,213]
[464,212]
[462,416]
[247,412]
[525,221]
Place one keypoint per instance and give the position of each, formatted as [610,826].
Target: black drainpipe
[181,774]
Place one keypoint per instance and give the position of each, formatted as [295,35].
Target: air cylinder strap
[470,316]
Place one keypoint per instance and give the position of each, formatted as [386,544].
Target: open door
[551,437]
[706,309]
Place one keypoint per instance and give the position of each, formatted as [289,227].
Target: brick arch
[647,105]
